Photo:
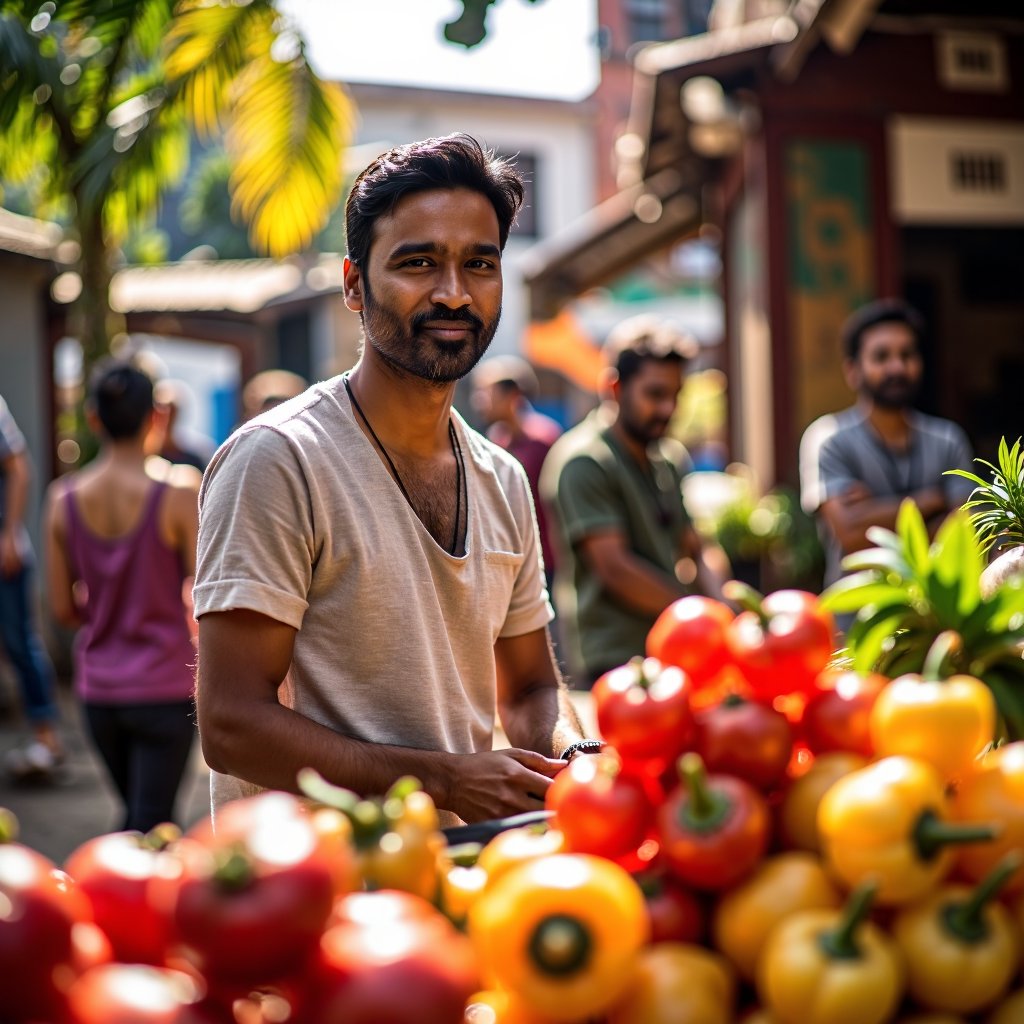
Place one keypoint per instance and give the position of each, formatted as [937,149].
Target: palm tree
[97,101]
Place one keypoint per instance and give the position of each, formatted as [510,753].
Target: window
[646,20]
[527,223]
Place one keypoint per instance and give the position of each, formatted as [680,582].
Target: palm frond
[286,139]
[997,505]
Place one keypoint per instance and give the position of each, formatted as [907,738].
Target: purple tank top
[133,647]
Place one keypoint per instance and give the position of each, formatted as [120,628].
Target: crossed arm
[246,732]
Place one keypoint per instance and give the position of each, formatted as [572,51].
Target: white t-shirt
[301,521]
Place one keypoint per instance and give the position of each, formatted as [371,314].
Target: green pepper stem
[705,809]
[316,787]
[965,920]
[745,596]
[931,834]
[8,826]
[161,836]
[233,868]
[465,855]
[402,787]
[840,943]
[943,646]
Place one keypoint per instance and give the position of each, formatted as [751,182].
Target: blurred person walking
[121,542]
[503,389]
[613,484]
[19,636]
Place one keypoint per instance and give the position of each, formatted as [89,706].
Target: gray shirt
[841,449]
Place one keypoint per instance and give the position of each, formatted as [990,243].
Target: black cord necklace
[453,439]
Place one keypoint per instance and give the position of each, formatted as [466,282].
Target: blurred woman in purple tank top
[121,542]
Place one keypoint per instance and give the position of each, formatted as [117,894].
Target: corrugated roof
[237,286]
[27,236]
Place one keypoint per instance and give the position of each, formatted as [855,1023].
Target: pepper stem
[234,868]
[931,834]
[745,596]
[464,855]
[316,787]
[944,646]
[840,943]
[561,945]
[8,826]
[965,920]
[705,809]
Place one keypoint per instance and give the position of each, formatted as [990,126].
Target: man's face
[435,268]
[888,368]
[648,399]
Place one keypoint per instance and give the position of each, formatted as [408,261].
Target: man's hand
[500,783]
[10,554]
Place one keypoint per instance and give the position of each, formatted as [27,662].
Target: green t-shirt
[591,483]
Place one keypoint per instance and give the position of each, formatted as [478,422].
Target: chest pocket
[501,568]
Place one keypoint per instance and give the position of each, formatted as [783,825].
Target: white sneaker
[36,761]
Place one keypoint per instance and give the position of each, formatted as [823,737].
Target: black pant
[146,748]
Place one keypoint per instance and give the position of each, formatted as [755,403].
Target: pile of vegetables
[774,834]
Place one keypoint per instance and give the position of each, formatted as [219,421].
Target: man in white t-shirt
[369,587]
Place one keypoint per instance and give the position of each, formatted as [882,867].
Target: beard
[644,431]
[405,349]
[893,393]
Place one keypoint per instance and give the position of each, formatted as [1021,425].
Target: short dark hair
[122,396]
[882,311]
[647,338]
[450,162]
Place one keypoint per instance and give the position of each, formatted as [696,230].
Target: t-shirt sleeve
[11,439]
[825,468]
[256,538]
[530,607]
[587,499]
[961,456]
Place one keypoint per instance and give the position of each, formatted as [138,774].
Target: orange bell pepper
[831,967]
[798,813]
[782,885]
[994,791]
[944,721]
[1010,1010]
[960,948]
[887,822]
[563,932]
[677,983]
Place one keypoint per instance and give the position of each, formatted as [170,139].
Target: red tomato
[643,711]
[392,958]
[690,634]
[713,829]
[836,717]
[674,912]
[782,646]
[744,738]
[250,908]
[114,871]
[599,809]
[132,994]
[40,905]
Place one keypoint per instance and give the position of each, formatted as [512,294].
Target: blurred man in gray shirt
[857,466]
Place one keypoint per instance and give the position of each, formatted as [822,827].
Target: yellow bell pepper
[887,823]
[1009,1011]
[782,885]
[563,932]
[960,948]
[930,1018]
[831,967]
[944,721]
[798,812]
[677,983]
[516,846]
[993,791]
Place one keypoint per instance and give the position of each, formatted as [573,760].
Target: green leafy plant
[996,506]
[907,590]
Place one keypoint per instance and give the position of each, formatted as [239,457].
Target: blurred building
[838,150]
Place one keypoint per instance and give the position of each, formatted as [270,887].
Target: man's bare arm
[852,513]
[631,580]
[246,732]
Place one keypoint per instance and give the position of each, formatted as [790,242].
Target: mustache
[443,313]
